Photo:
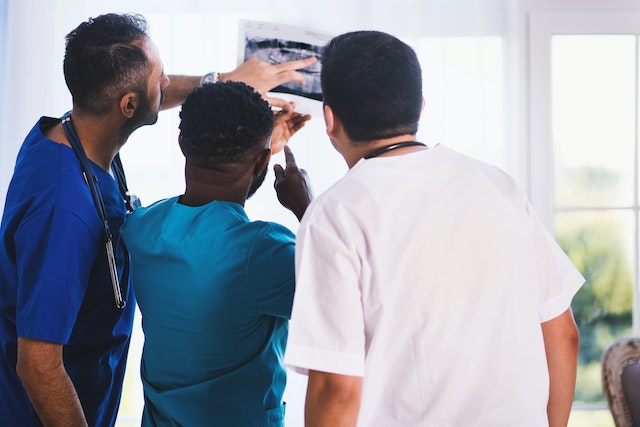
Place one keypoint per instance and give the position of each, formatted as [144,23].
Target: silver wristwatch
[212,77]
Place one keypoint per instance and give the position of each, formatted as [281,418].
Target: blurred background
[546,90]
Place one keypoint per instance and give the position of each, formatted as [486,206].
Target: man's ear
[329,120]
[262,161]
[333,123]
[129,103]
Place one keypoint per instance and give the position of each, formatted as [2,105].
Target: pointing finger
[276,102]
[278,172]
[297,64]
[288,155]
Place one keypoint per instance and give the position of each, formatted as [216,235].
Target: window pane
[464,91]
[593,115]
[600,244]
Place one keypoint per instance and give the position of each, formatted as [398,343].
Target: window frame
[542,24]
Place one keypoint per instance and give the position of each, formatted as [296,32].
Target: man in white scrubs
[427,291]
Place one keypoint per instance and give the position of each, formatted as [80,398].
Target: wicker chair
[621,381]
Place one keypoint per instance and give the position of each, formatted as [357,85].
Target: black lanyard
[387,148]
[131,203]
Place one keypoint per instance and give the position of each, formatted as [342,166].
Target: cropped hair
[222,123]
[104,60]
[373,83]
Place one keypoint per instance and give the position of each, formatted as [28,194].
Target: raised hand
[263,76]
[286,123]
[292,185]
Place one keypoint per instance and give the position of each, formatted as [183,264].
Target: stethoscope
[131,203]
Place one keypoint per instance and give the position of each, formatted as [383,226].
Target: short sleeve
[327,328]
[558,278]
[270,271]
[55,252]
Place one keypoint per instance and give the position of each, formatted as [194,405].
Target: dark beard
[257,183]
[144,115]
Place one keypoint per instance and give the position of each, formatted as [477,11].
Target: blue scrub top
[54,281]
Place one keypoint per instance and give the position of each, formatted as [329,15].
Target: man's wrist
[210,78]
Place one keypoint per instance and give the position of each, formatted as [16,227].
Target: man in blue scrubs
[215,289]
[63,341]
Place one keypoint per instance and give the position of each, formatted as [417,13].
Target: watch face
[210,78]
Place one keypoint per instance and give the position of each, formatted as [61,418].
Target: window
[584,144]
[593,94]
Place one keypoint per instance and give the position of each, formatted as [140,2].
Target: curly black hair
[104,60]
[223,122]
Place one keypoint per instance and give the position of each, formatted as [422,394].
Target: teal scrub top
[215,291]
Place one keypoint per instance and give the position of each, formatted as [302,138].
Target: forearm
[47,384]
[180,86]
[262,76]
[562,344]
[332,400]
[178,89]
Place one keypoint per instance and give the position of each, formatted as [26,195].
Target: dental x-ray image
[278,43]
[277,51]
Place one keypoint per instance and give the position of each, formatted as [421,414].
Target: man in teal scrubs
[215,289]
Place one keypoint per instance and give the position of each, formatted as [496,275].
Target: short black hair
[223,122]
[104,60]
[373,83]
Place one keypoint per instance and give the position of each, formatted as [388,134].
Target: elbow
[28,371]
[340,399]
[332,398]
[571,334]
[37,360]
[574,341]
[25,366]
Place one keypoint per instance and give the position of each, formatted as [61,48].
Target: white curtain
[5,151]
[467,49]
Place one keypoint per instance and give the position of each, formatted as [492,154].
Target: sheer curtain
[5,151]
[465,46]
[467,49]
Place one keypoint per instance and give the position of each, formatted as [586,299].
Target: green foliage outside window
[603,307]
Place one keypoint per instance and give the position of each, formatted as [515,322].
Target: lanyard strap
[92,182]
[388,148]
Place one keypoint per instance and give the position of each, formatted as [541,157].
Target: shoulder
[491,178]
[156,208]
[148,215]
[272,248]
[272,232]
[46,179]
[270,240]
[345,198]
[464,162]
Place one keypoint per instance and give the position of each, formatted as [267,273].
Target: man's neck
[100,137]
[354,151]
[205,185]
